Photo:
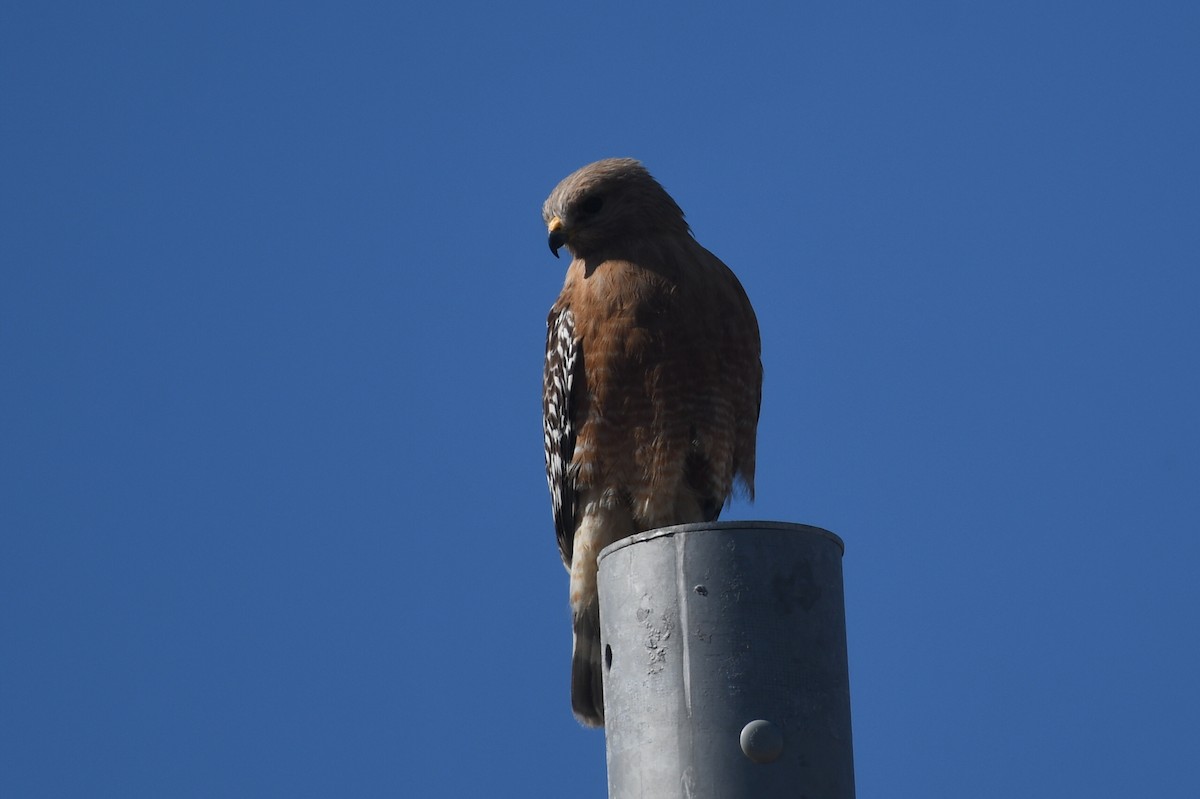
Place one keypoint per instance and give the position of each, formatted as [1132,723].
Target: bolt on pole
[725,663]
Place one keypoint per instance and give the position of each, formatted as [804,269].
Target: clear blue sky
[273,285]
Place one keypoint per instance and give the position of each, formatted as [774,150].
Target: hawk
[652,384]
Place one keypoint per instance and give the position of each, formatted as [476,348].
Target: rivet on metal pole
[725,663]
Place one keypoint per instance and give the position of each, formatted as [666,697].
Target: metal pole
[725,663]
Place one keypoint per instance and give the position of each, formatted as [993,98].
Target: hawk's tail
[587,685]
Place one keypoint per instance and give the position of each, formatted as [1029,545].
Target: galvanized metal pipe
[725,653]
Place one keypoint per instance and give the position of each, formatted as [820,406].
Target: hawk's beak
[558,235]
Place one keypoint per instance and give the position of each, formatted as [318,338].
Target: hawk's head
[603,205]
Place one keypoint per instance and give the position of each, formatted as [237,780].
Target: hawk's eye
[592,204]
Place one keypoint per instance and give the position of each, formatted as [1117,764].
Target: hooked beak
[558,235]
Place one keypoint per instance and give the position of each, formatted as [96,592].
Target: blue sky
[274,281]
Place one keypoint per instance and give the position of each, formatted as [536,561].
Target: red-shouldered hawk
[652,383]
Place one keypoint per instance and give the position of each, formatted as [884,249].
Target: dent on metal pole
[725,663]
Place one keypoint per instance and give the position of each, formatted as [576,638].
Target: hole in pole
[607,657]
